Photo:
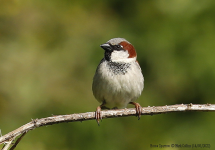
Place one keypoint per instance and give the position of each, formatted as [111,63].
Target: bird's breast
[117,83]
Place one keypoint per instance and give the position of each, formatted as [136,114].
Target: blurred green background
[49,51]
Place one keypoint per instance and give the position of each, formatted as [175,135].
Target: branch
[105,114]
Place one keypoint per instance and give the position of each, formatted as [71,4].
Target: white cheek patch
[117,55]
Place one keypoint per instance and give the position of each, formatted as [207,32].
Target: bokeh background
[49,51]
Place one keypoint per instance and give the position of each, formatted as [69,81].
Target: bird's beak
[106,47]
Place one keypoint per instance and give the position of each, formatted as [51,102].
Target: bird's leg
[138,109]
[98,112]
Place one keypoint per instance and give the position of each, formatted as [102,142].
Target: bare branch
[105,114]
[17,141]
[6,146]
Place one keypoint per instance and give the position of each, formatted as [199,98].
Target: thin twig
[7,144]
[105,114]
[17,141]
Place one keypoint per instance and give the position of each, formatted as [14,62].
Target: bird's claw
[138,109]
[98,115]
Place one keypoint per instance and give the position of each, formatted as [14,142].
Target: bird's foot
[98,115]
[138,109]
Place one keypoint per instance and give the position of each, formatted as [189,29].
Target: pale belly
[118,90]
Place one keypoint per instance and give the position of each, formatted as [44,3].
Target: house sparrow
[118,80]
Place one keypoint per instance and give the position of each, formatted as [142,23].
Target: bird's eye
[119,47]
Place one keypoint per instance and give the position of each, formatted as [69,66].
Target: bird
[118,80]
